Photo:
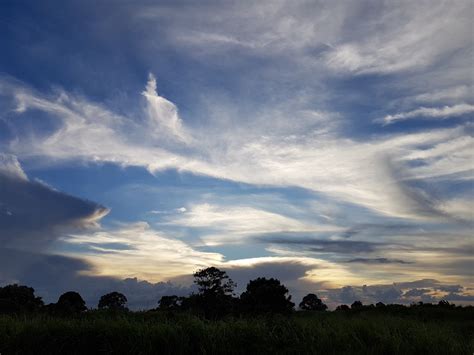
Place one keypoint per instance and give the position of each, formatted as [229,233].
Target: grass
[301,333]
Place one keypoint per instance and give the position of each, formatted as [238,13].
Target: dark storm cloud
[32,213]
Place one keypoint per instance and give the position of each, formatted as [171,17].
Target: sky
[328,144]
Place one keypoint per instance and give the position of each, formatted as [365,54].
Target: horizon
[328,145]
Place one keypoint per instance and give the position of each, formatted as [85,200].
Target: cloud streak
[430,113]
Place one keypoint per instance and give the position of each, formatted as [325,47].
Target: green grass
[162,333]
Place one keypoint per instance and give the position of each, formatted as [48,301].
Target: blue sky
[328,144]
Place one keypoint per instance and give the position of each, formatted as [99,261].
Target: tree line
[215,298]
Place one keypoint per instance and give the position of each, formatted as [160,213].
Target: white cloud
[162,115]
[461,207]
[430,112]
[369,174]
[403,37]
[10,166]
[143,253]
[461,92]
[232,224]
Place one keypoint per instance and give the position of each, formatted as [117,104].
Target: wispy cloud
[163,115]
[405,40]
[370,174]
[430,113]
[152,255]
[456,93]
[232,224]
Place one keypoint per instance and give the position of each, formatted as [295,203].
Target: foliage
[114,301]
[170,302]
[215,297]
[357,305]
[311,302]
[71,302]
[266,296]
[213,282]
[15,298]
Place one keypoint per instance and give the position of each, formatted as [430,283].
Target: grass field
[301,333]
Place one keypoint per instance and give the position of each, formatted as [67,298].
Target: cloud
[163,115]
[397,38]
[144,253]
[11,168]
[232,224]
[416,292]
[403,293]
[176,210]
[32,215]
[427,112]
[455,93]
[362,173]
[378,261]
[34,218]
[324,245]
[272,96]
[52,275]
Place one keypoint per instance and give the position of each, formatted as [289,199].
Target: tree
[266,295]
[214,298]
[212,281]
[115,301]
[170,302]
[311,302]
[342,307]
[356,305]
[445,304]
[15,298]
[380,305]
[71,302]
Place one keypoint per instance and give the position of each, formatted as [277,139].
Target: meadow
[430,331]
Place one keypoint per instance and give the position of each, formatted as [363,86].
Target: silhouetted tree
[71,302]
[15,298]
[445,304]
[114,301]
[214,298]
[170,302]
[342,307]
[380,305]
[311,302]
[212,281]
[357,305]
[266,296]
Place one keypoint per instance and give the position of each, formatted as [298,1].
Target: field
[439,332]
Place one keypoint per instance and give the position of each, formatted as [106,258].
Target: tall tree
[16,298]
[311,302]
[212,281]
[266,296]
[215,293]
[71,302]
[114,301]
